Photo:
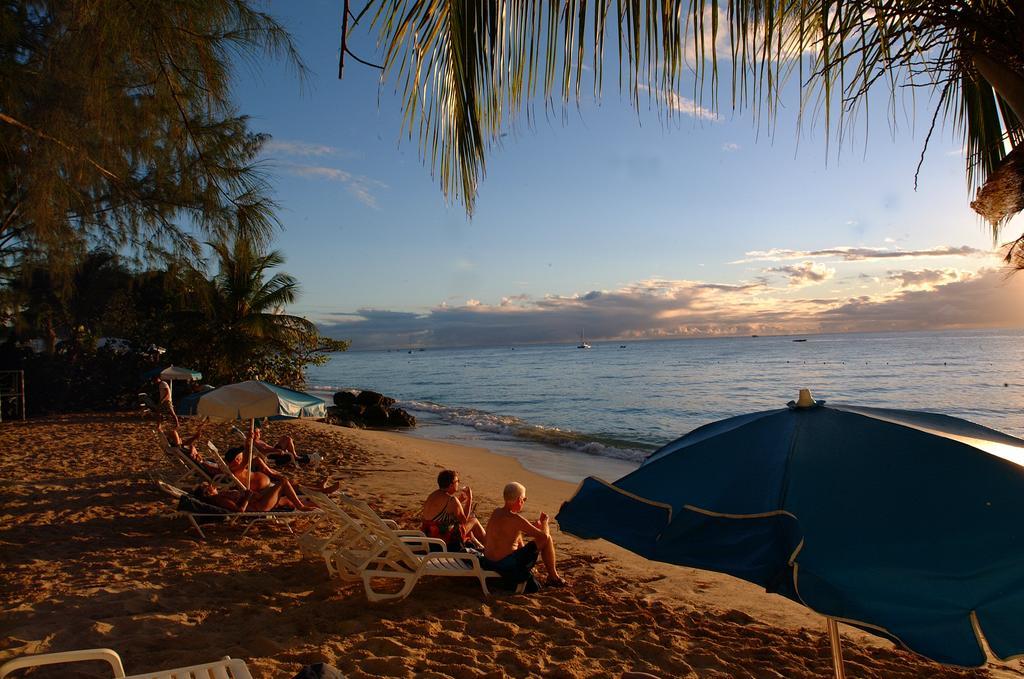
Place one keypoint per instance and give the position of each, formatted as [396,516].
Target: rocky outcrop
[367,409]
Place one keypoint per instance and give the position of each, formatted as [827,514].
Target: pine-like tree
[117,127]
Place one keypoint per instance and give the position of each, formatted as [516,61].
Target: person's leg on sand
[547,555]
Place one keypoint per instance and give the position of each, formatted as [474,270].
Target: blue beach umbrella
[906,524]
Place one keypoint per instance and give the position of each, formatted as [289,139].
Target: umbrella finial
[805,400]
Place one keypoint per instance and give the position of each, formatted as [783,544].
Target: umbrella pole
[837,648]
[252,439]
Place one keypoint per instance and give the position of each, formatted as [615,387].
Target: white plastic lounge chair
[348,530]
[369,549]
[186,471]
[227,668]
[195,517]
[146,404]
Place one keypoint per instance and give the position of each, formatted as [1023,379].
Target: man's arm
[530,530]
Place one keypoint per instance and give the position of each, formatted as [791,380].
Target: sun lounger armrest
[390,524]
[470,559]
[423,543]
[105,654]
[410,534]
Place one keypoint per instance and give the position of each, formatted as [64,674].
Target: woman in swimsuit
[447,513]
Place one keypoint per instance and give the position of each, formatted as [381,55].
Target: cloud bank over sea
[808,296]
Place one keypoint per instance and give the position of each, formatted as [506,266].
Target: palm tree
[241,312]
[468,69]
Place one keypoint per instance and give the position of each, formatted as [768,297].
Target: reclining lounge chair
[227,668]
[366,548]
[198,512]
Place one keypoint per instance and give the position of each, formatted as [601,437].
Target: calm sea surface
[569,412]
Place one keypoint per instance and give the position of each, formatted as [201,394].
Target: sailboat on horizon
[584,344]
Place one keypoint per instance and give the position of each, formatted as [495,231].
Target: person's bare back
[505,531]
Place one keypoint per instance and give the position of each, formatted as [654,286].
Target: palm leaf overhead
[468,70]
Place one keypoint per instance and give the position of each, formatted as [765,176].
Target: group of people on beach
[510,544]
[261,488]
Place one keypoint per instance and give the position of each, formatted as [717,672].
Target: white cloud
[362,188]
[804,274]
[655,308]
[926,279]
[855,254]
[299,148]
[681,104]
[730,147]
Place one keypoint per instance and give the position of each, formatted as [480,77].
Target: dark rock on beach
[372,399]
[367,409]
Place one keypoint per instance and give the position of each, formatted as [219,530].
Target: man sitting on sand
[446,513]
[505,551]
[264,500]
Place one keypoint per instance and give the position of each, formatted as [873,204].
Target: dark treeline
[85,340]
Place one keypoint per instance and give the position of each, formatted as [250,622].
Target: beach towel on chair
[193,505]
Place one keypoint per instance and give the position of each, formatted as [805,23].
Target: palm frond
[468,70]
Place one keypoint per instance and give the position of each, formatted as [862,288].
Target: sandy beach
[91,558]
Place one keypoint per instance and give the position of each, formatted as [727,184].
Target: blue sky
[612,222]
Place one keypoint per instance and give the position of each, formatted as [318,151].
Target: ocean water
[568,412]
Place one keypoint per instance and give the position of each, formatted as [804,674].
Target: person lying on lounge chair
[190,446]
[446,512]
[281,453]
[261,476]
[275,496]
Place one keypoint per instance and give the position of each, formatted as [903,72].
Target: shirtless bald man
[505,550]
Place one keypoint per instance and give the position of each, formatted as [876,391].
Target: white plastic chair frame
[227,668]
[192,473]
[368,549]
[250,518]
[348,531]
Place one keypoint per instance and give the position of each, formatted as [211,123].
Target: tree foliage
[117,126]
[238,318]
[229,324]
[466,70]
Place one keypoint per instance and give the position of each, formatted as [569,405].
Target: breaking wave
[506,426]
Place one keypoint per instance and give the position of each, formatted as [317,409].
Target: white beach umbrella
[255,399]
[174,372]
